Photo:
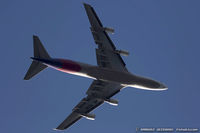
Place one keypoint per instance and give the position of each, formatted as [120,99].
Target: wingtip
[35,36]
[56,129]
[26,77]
[86,4]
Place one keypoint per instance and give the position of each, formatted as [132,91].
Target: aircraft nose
[162,86]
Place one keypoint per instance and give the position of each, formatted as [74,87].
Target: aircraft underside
[109,76]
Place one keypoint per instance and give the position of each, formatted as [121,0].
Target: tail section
[39,52]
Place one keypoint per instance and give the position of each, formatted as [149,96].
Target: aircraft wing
[106,52]
[97,93]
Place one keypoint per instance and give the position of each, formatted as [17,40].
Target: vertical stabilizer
[39,50]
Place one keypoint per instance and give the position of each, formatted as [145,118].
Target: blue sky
[161,36]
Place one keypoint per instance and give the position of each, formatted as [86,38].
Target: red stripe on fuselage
[69,66]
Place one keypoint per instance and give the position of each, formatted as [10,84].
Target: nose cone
[163,87]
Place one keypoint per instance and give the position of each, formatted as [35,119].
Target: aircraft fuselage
[123,77]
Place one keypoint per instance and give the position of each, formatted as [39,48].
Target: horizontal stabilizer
[34,69]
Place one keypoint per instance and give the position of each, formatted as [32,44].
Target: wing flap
[109,59]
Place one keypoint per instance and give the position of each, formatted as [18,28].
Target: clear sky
[163,38]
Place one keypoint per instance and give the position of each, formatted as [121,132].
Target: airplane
[109,76]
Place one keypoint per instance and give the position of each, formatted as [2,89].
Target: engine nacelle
[122,52]
[109,30]
[112,102]
[89,116]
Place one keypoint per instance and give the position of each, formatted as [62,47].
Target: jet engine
[89,116]
[109,30]
[122,52]
[112,102]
